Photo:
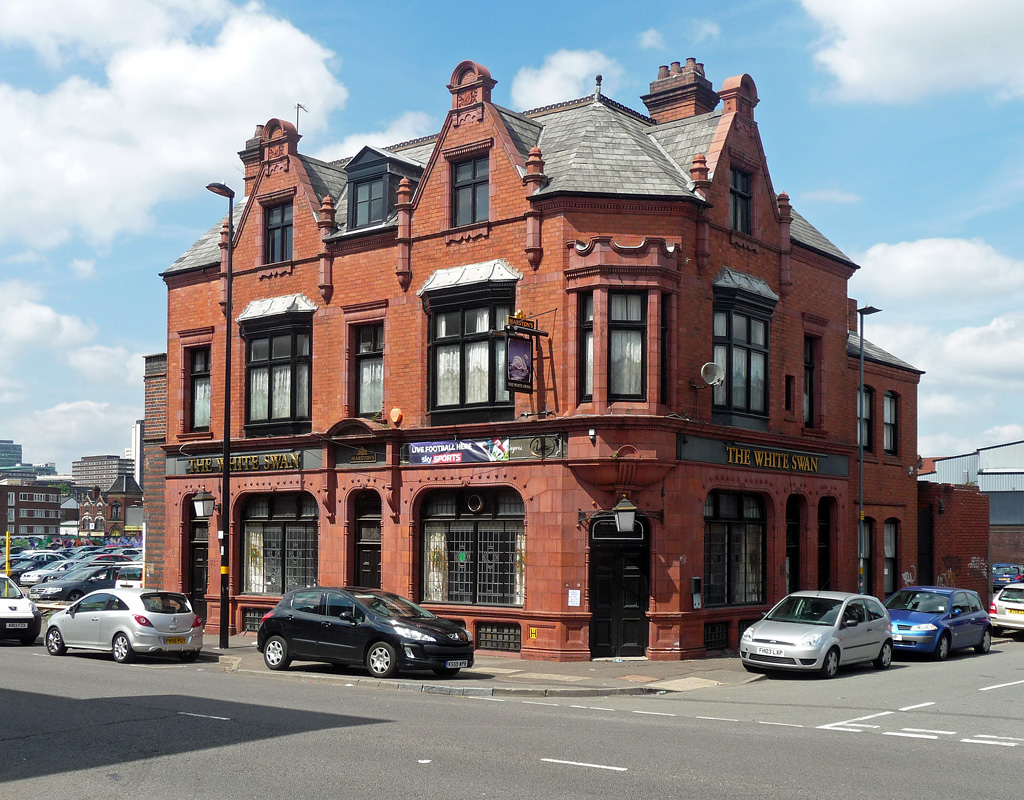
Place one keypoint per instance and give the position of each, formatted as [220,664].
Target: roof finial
[597,91]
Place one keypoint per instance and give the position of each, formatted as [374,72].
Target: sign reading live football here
[462,451]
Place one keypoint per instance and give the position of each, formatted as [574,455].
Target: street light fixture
[225,496]
[861,312]
[203,503]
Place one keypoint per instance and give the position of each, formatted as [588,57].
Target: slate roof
[872,352]
[591,145]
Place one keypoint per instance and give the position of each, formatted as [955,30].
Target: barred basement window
[474,548]
[499,636]
[716,635]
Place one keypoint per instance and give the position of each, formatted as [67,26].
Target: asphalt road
[84,727]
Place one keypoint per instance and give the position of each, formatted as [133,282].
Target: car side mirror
[348,616]
[957,612]
[850,623]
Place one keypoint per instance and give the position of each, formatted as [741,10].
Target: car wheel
[188,656]
[884,656]
[830,666]
[55,643]
[74,596]
[446,672]
[943,647]
[275,653]
[986,642]
[381,660]
[123,653]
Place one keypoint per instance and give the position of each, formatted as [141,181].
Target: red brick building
[452,358]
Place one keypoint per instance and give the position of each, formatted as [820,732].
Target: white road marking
[1006,738]
[203,716]
[919,705]
[909,735]
[848,730]
[492,699]
[599,708]
[847,724]
[1000,686]
[583,764]
[654,713]
[989,741]
[720,719]
[781,724]
[537,703]
[926,730]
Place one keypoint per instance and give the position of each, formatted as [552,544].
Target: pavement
[497,675]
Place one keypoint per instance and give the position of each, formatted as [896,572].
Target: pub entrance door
[619,593]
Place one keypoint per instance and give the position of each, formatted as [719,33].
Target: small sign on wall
[574,598]
[533,633]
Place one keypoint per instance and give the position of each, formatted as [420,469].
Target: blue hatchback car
[938,620]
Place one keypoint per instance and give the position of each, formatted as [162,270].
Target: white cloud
[651,39]
[30,324]
[171,113]
[411,125]
[893,52]
[945,278]
[704,30]
[103,364]
[68,431]
[565,75]
[946,444]
[83,267]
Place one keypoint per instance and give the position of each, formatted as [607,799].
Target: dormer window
[739,200]
[369,203]
[470,191]
[278,245]
[373,178]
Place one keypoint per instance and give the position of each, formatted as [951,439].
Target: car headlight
[50,590]
[748,635]
[469,636]
[927,626]
[414,634]
[33,608]
[811,639]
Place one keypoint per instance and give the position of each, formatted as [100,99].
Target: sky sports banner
[463,451]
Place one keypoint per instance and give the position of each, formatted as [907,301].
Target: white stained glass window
[477,357]
[448,375]
[258,395]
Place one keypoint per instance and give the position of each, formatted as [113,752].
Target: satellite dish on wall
[712,374]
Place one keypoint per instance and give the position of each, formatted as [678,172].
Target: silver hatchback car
[125,622]
[819,631]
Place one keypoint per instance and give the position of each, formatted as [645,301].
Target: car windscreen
[925,602]
[79,574]
[8,589]
[389,605]
[1006,569]
[806,610]
[165,603]
[1012,595]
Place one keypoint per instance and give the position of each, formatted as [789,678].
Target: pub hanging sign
[519,334]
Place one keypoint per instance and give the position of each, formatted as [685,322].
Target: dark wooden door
[618,602]
[368,565]
[198,575]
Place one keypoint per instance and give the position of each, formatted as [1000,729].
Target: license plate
[174,640]
[17,625]
[1015,611]
[769,651]
[460,662]
[897,637]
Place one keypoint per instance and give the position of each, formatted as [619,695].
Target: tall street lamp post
[225,492]
[861,313]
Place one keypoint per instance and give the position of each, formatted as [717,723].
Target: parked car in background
[34,562]
[125,622]
[819,631]
[19,617]
[1007,608]
[383,631]
[129,576]
[1005,574]
[75,584]
[938,620]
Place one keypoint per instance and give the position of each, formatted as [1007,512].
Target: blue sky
[895,127]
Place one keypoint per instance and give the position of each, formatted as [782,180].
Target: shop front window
[735,535]
[279,547]
[474,548]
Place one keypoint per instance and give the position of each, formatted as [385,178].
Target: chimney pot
[662,72]
[675,68]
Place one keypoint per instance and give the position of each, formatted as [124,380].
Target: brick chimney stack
[680,91]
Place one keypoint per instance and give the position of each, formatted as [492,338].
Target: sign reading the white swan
[519,366]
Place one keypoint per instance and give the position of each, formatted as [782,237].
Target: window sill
[744,241]
[463,415]
[816,433]
[283,428]
[468,233]
[276,269]
[195,436]
[735,419]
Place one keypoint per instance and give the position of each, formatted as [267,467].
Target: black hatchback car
[384,631]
